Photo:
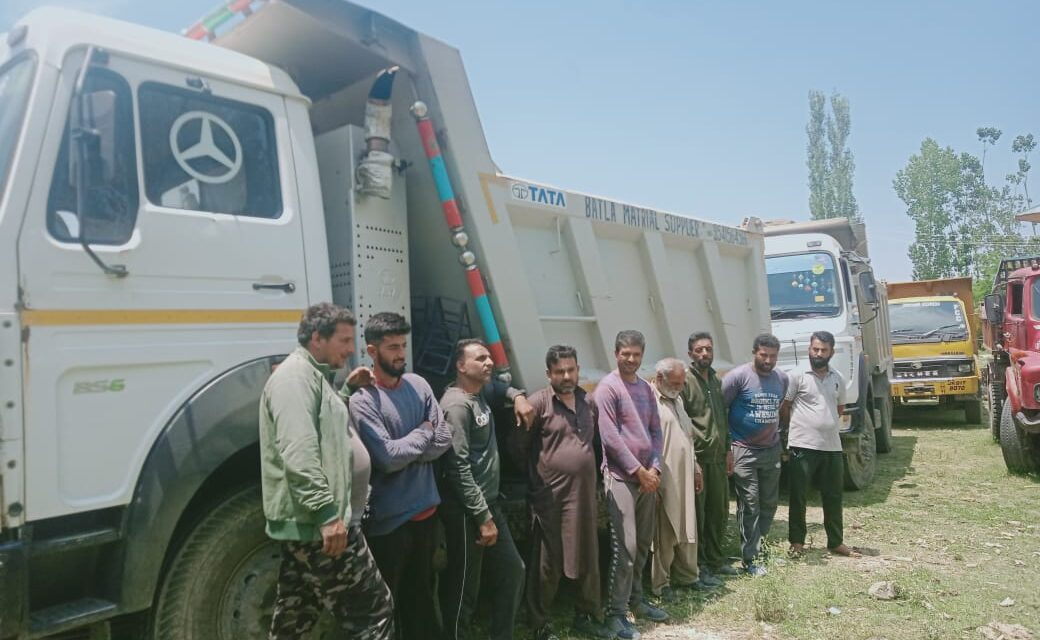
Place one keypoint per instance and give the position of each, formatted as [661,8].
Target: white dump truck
[820,278]
[170,204]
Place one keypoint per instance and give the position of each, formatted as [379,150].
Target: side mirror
[92,161]
[993,308]
[868,286]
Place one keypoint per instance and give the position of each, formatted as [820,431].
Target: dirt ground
[944,522]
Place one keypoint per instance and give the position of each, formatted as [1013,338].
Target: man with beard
[476,531]
[404,431]
[815,401]
[753,392]
[559,454]
[675,542]
[702,399]
[314,488]
[630,428]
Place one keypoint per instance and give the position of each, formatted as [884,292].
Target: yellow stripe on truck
[82,317]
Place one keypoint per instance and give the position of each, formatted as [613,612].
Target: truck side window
[203,153]
[111,194]
[847,280]
[1015,298]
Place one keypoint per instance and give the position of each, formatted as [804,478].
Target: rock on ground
[883,591]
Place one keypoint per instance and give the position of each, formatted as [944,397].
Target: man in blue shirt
[404,430]
[753,393]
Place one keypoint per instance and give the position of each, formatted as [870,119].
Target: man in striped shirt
[630,428]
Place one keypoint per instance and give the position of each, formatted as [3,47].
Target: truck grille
[925,369]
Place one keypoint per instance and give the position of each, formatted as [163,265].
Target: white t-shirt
[815,422]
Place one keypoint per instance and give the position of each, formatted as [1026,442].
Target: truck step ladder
[71,615]
[446,321]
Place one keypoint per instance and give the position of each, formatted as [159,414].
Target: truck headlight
[965,368]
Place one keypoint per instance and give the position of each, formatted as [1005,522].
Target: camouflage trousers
[349,587]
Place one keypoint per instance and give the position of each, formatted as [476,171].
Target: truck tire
[883,429]
[221,582]
[995,400]
[973,412]
[861,456]
[1020,452]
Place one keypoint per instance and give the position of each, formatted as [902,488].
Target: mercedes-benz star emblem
[206,147]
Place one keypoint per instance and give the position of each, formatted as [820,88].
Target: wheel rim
[248,595]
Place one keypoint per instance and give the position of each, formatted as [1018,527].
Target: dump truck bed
[559,266]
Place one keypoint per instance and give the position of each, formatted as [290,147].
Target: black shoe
[726,570]
[622,628]
[585,625]
[646,611]
[545,633]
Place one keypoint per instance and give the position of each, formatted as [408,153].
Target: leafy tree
[830,161]
[988,136]
[842,164]
[1024,145]
[963,226]
[819,194]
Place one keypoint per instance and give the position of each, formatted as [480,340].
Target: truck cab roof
[52,32]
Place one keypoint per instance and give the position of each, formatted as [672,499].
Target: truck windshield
[1036,298]
[927,321]
[803,285]
[15,82]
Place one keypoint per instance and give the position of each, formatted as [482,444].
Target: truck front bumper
[14,587]
[935,392]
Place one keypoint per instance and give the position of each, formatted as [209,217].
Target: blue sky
[700,107]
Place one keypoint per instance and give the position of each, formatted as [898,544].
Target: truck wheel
[1015,444]
[860,457]
[995,400]
[883,430]
[973,412]
[221,583]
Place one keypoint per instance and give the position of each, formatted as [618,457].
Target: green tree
[988,136]
[842,164]
[929,185]
[963,226]
[819,193]
[829,159]
[1024,145]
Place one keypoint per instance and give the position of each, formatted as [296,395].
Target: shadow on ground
[947,418]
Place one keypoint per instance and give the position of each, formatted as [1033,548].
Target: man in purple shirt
[630,428]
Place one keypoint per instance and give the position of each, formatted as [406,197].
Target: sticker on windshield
[818,269]
[818,299]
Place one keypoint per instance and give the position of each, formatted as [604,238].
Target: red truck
[1011,330]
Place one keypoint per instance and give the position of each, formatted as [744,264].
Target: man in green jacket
[306,467]
[702,399]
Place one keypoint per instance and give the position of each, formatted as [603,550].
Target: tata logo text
[538,195]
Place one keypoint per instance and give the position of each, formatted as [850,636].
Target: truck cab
[820,280]
[934,341]
[1011,331]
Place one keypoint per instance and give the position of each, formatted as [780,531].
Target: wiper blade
[942,328]
[782,313]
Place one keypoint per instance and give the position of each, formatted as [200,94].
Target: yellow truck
[935,345]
